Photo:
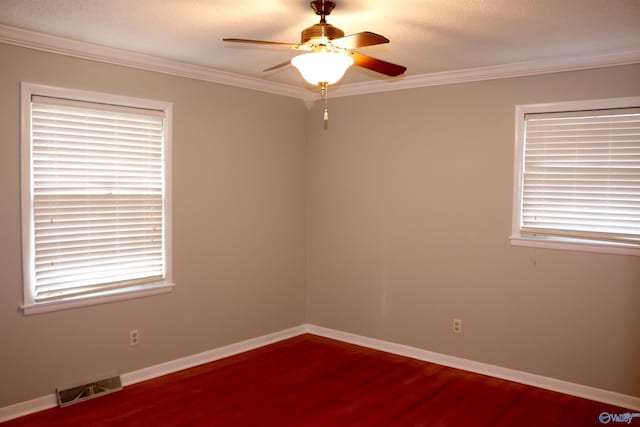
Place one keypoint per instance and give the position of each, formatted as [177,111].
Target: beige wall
[409,213]
[375,211]
[238,230]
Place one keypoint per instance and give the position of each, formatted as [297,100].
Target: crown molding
[517,69]
[95,52]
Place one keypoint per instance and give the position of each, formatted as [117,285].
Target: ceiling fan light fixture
[322,67]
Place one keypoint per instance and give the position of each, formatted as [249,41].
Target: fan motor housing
[321,30]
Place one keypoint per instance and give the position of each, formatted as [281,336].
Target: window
[577,176]
[95,197]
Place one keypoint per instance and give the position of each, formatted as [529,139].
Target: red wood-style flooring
[314,381]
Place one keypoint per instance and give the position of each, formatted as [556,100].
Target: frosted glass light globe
[322,67]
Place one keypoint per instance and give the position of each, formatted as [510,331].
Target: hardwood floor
[314,381]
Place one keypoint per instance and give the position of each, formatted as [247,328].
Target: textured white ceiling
[427,36]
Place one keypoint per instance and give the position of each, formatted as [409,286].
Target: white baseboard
[579,390]
[209,356]
[21,409]
[599,395]
[50,401]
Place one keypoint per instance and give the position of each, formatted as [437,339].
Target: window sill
[575,245]
[138,292]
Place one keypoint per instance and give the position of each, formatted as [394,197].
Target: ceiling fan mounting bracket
[322,8]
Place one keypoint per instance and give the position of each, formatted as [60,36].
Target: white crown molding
[517,69]
[63,46]
[94,52]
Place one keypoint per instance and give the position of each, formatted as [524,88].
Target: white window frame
[517,238]
[30,306]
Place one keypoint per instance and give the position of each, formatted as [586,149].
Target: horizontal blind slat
[40,101]
[581,175]
[82,290]
[97,197]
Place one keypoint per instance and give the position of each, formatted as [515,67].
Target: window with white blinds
[97,222]
[579,177]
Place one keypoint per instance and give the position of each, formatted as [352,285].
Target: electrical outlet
[457,326]
[134,337]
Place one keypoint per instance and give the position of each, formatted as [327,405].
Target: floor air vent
[80,393]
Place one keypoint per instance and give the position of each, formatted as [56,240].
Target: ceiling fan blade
[291,45]
[377,65]
[275,67]
[363,39]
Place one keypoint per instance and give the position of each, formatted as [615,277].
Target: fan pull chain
[325,98]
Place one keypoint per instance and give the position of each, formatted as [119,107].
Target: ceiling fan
[329,52]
